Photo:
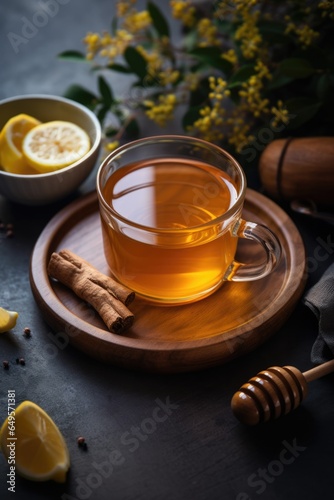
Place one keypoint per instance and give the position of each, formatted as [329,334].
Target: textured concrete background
[34,32]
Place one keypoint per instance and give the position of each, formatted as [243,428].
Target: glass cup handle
[238,271]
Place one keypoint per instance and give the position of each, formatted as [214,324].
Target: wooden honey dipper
[274,392]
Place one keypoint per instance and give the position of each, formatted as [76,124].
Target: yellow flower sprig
[162,110]
[211,119]
[235,67]
[183,11]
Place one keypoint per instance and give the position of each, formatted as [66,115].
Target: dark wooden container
[299,169]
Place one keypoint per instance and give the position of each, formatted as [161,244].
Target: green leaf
[81,95]
[105,91]
[212,56]
[225,26]
[318,57]
[190,116]
[273,26]
[132,129]
[274,32]
[110,131]
[278,80]
[119,68]
[301,110]
[198,96]
[241,75]
[325,87]
[296,67]
[114,25]
[102,113]
[137,63]
[73,55]
[189,40]
[159,21]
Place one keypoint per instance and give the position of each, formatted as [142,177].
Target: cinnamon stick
[108,297]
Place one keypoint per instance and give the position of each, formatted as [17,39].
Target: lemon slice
[38,446]
[12,134]
[7,320]
[54,145]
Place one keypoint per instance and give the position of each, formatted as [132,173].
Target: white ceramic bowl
[41,189]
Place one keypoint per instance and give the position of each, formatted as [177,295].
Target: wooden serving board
[236,319]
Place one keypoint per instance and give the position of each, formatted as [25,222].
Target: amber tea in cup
[171,217]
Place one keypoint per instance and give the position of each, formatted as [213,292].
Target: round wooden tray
[234,320]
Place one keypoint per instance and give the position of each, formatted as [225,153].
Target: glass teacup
[171,218]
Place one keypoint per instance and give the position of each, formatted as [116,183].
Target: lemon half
[11,138]
[55,145]
[7,320]
[39,448]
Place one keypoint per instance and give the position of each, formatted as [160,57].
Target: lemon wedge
[54,145]
[39,448]
[7,320]
[11,137]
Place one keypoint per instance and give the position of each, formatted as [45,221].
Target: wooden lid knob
[299,169]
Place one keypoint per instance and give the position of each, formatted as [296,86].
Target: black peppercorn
[82,443]
[27,332]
